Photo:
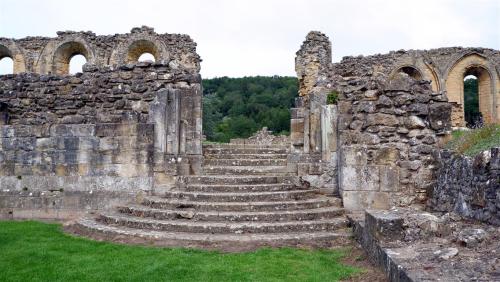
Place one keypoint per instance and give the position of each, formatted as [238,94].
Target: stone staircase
[246,199]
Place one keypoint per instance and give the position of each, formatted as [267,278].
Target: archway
[76,63]
[466,68]
[141,47]
[6,62]
[411,71]
[64,54]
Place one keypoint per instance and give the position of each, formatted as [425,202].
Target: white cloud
[237,38]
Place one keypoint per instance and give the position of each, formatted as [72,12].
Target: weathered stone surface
[468,186]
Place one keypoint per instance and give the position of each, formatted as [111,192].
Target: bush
[471,142]
[331,98]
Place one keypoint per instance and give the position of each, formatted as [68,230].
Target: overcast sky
[260,37]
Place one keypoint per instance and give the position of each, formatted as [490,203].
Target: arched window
[6,65]
[65,53]
[141,48]
[146,57]
[472,99]
[476,95]
[76,63]
[411,71]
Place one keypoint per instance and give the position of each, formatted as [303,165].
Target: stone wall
[445,68]
[469,186]
[386,124]
[52,55]
[387,130]
[74,144]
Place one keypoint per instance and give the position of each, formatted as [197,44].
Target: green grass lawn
[471,142]
[35,251]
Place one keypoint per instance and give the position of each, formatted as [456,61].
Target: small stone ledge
[412,245]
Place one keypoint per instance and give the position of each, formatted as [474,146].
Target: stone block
[353,155]
[384,225]
[389,178]
[360,178]
[360,200]
[386,155]
[297,131]
[72,130]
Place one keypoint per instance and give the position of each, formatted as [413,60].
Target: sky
[260,37]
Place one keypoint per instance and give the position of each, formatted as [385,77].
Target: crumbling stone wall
[73,144]
[386,123]
[52,55]
[445,68]
[468,186]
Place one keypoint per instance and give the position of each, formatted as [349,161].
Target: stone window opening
[472,115]
[412,72]
[142,50]
[76,63]
[6,65]
[476,96]
[65,54]
[146,57]
[6,61]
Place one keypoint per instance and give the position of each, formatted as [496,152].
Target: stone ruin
[118,148]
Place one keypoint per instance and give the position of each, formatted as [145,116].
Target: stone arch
[419,71]
[65,51]
[10,50]
[479,66]
[139,47]
[412,71]
[130,50]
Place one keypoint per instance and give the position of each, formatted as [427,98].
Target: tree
[237,107]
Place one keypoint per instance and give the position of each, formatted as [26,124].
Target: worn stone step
[163,203]
[246,156]
[236,150]
[232,179]
[244,170]
[225,242]
[292,195]
[230,145]
[308,214]
[244,162]
[185,225]
[239,188]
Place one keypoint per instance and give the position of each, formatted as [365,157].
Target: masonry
[373,147]
[120,130]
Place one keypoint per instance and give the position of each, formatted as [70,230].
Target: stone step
[244,162]
[292,195]
[231,179]
[239,188]
[236,150]
[224,242]
[163,203]
[246,156]
[190,226]
[244,170]
[308,214]
[230,145]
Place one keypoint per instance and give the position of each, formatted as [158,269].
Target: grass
[35,251]
[471,142]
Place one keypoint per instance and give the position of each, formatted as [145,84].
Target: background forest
[238,107]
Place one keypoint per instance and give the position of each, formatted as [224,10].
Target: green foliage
[471,142]
[34,251]
[332,97]
[238,107]
[471,102]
